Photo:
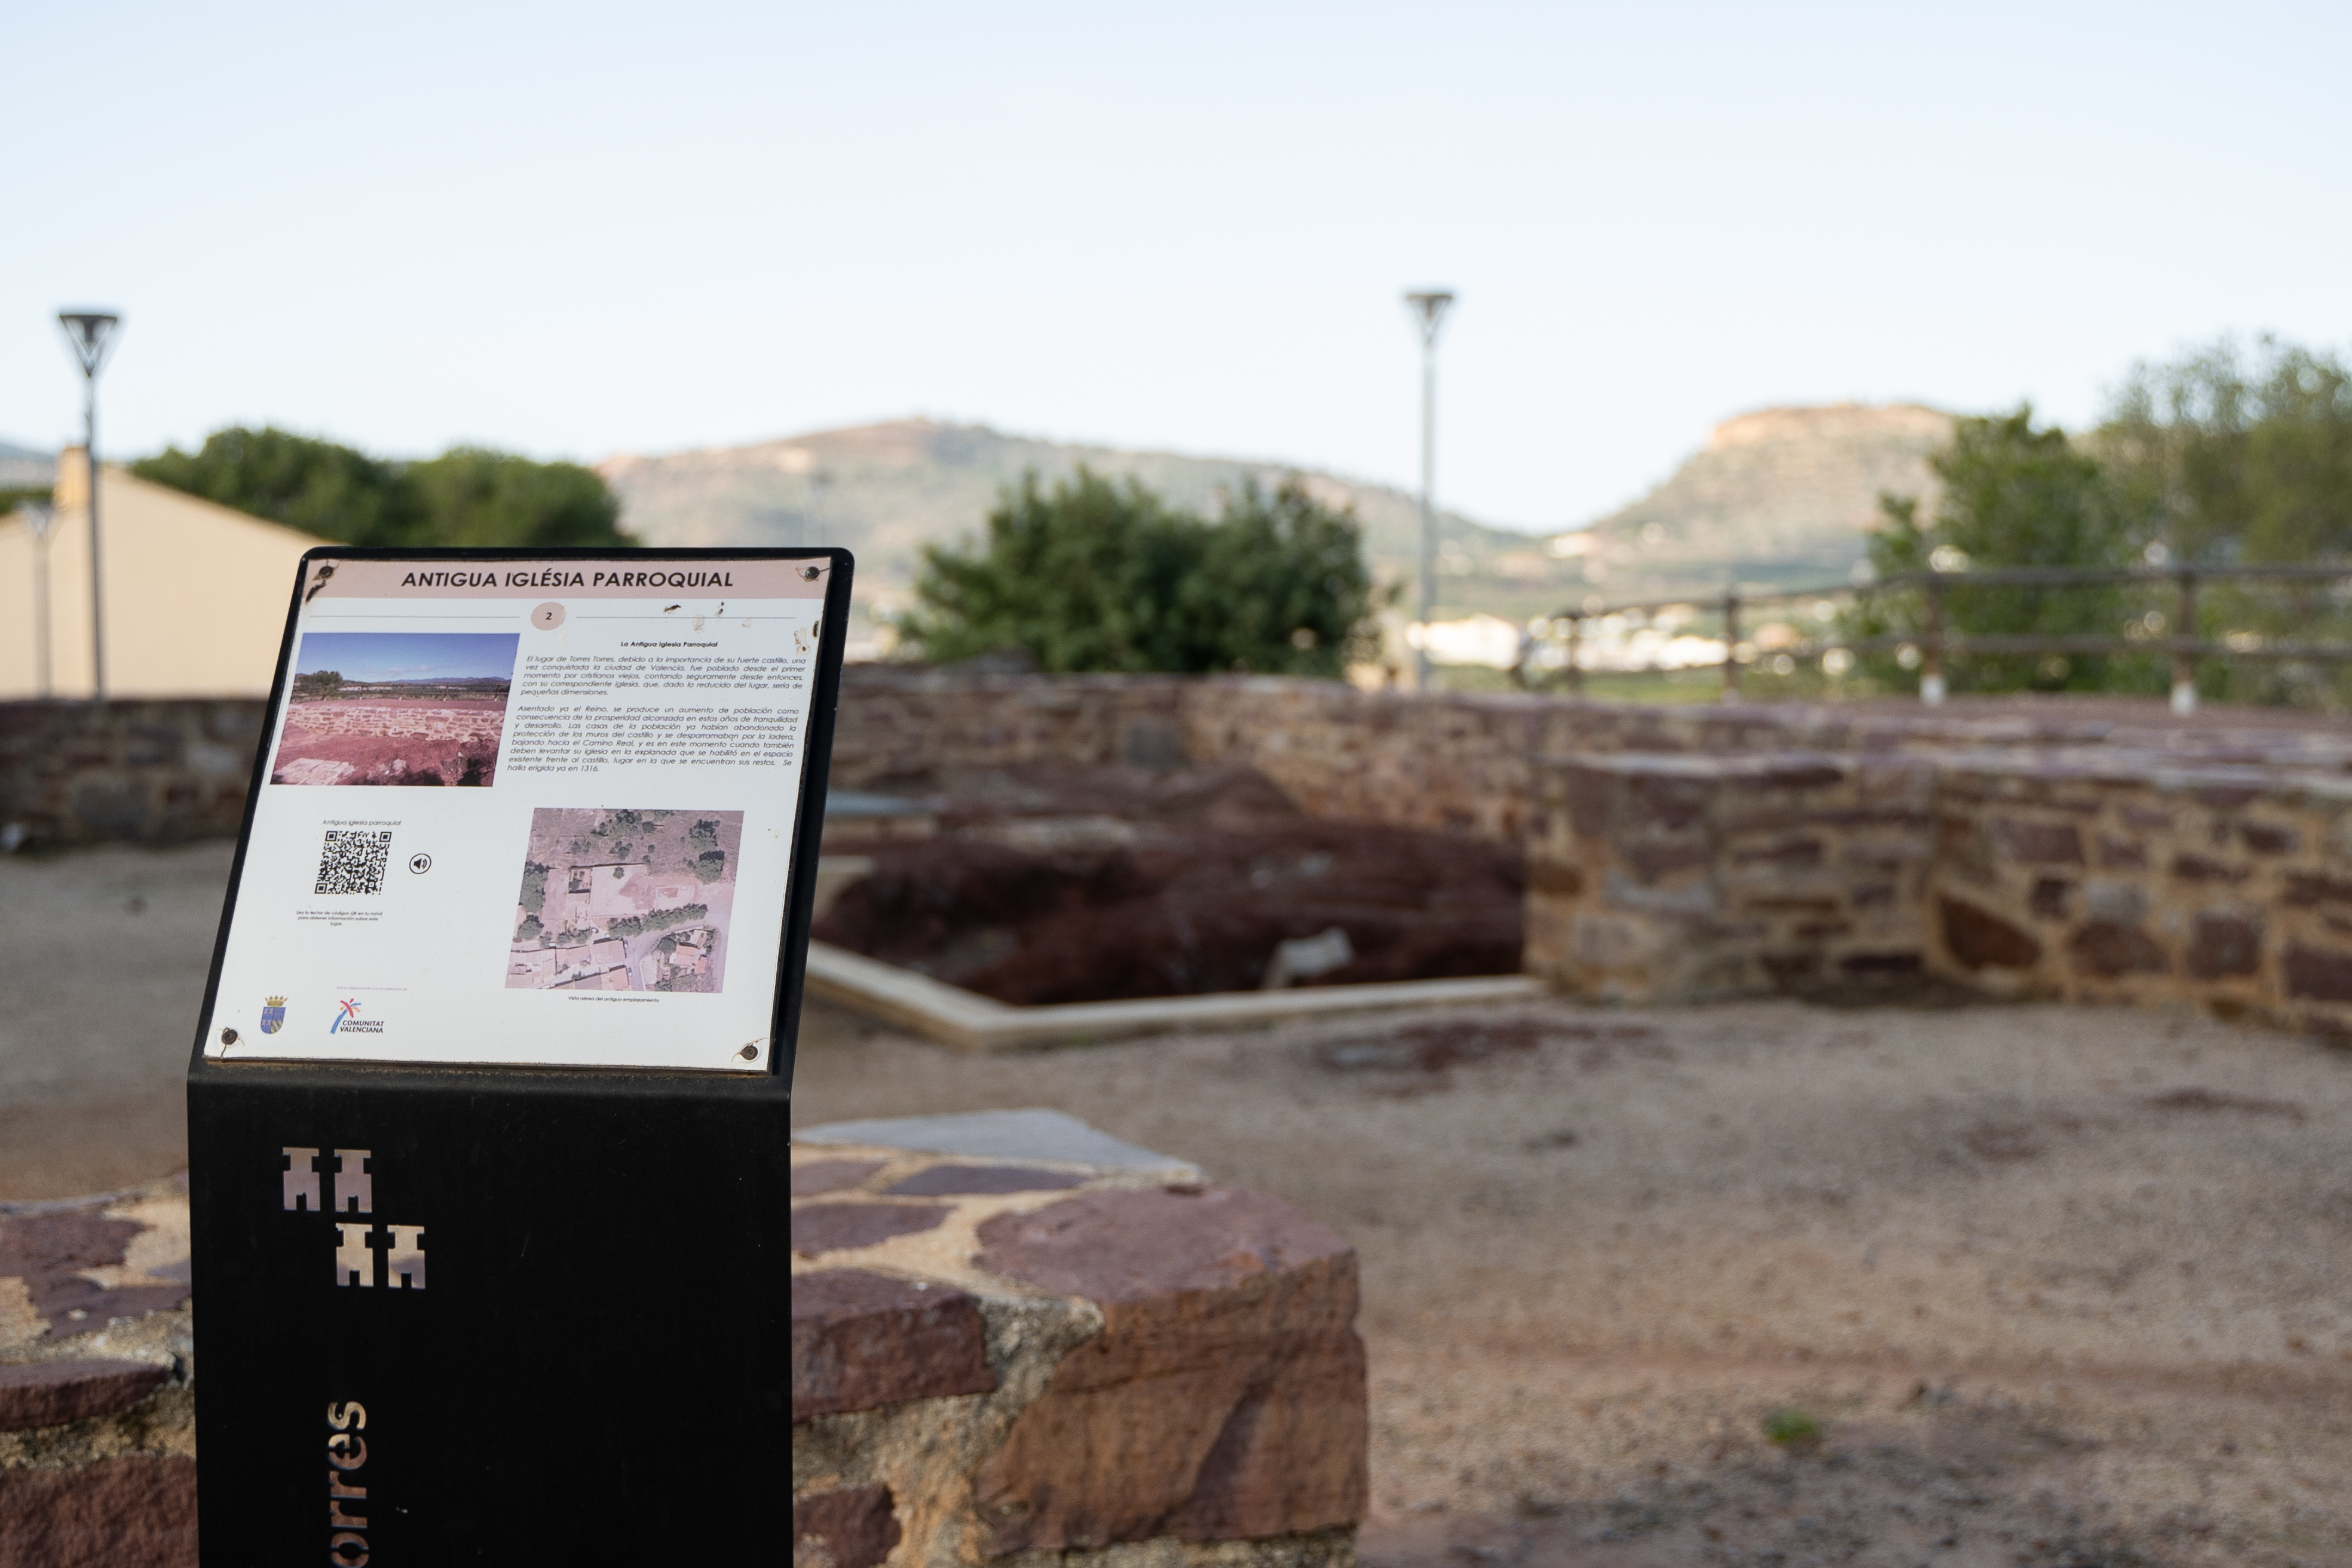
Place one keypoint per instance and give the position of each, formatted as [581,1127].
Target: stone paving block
[1075,1360]
[97,1398]
[1033,1133]
[48,1393]
[863,1340]
[131,1510]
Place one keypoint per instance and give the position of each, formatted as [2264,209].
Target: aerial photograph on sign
[396,707]
[626,900]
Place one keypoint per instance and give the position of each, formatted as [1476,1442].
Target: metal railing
[1934,644]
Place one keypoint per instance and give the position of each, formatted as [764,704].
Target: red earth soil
[422,759]
[1220,868]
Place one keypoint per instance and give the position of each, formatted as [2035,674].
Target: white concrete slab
[957,1017]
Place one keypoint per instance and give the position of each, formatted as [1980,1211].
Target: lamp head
[90,332]
[1431,305]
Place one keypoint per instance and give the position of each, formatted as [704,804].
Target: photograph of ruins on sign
[626,900]
[396,707]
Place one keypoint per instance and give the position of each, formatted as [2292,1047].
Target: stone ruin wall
[2102,879]
[139,771]
[2204,864]
[397,720]
[1709,851]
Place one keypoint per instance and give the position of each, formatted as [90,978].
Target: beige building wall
[195,595]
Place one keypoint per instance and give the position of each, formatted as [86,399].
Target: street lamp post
[1430,306]
[90,332]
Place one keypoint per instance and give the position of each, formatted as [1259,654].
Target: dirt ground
[2024,1285]
[2059,1287]
[106,954]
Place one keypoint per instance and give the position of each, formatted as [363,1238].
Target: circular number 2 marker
[548,616]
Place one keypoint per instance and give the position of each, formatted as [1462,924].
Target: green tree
[2238,458]
[468,496]
[316,486]
[1098,575]
[2013,495]
[2237,461]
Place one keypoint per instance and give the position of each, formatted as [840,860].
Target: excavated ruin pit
[1048,886]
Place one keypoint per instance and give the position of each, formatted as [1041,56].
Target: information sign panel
[538,812]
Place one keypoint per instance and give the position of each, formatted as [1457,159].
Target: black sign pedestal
[594,1368]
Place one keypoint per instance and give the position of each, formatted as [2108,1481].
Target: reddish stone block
[2318,974]
[862,1340]
[136,1510]
[2049,897]
[2038,842]
[1797,776]
[836,1228]
[2266,839]
[1224,1398]
[1772,906]
[856,1528]
[1652,861]
[1882,965]
[2302,891]
[1661,802]
[2224,945]
[2107,949]
[1560,881]
[831,1175]
[50,1251]
[1980,939]
[51,1393]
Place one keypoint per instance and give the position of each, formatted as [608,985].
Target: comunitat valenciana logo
[349,1022]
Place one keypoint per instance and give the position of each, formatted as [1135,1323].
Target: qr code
[352,862]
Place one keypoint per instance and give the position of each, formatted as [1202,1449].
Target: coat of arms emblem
[273,1014]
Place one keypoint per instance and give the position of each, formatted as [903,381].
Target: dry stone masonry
[2098,851]
[97,1376]
[1002,1356]
[2090,850]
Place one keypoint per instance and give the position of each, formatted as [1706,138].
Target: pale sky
[573,230]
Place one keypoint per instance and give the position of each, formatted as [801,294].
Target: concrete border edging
[953,1016]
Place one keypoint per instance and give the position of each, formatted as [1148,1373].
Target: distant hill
[1780,498]
[25,468]
[885,490]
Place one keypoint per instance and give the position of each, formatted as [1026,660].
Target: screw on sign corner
[809,574]
[228,1037]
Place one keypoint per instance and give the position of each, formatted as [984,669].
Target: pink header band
[614,577]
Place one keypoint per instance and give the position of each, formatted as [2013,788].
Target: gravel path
[2061,1286]
[103,955]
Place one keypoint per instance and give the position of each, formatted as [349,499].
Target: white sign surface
[527,814]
